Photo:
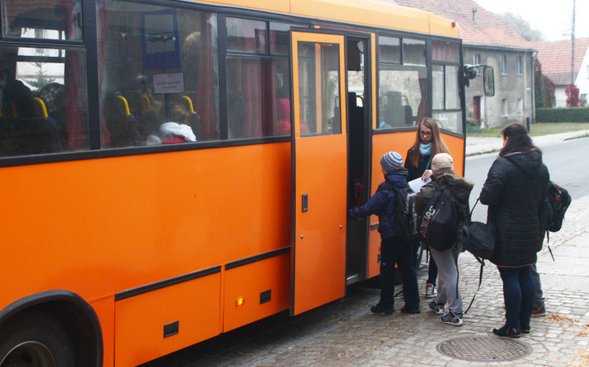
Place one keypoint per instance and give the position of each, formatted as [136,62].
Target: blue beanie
[391,161]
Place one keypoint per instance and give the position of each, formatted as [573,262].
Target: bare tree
[521,26]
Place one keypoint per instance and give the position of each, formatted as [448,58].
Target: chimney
[474,11]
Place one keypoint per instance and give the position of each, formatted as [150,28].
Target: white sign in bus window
[168,83]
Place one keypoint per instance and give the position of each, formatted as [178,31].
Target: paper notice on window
[168,83]
[416,184]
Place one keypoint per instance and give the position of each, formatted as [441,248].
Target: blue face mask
[425,149]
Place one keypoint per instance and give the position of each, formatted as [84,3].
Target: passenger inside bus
[26,126]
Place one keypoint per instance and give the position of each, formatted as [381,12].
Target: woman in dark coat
[514,191]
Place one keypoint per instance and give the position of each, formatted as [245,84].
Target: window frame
[503,64]
[520,65]
[401,65]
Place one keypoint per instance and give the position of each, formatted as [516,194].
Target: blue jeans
[538,295]
[518,294]
[392,251]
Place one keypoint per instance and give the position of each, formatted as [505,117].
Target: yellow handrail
[189,103]
[43,107]
[125,105]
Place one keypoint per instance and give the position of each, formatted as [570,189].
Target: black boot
[507,332]
[380,308]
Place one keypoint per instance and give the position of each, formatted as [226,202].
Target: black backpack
[404,218]
[556,203]
[437,227]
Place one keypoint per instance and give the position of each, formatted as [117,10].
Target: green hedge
[562,114]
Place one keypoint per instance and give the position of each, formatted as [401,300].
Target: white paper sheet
[416,184]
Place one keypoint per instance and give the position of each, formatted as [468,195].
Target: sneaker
[452,318]
[379,308]
[437,308]
[408,310]
[430,290]
[539,312]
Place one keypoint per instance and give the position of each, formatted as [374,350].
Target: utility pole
[573,46]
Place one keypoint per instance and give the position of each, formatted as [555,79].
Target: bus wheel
[35,340]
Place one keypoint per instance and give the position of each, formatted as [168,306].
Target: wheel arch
[73,312]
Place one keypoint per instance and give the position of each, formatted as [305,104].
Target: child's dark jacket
[383,202]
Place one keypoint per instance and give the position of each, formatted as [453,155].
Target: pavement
[346,333]
[478,145]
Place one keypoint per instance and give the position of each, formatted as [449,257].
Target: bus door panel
[319,176]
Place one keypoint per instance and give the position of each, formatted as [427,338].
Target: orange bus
[172,170]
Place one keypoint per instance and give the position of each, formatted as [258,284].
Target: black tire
[35,339]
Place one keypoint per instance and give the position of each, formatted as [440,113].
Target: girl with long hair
[428,143]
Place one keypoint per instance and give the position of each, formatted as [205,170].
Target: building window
[504,106]
[477,59]
[520,65]
[503,64]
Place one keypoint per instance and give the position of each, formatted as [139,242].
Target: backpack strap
[482,262]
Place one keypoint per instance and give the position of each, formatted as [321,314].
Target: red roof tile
[487,28]
[555,57]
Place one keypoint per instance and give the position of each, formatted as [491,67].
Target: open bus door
[319,158]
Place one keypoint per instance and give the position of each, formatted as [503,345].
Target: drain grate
[484,348]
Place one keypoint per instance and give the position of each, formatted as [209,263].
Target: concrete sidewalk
[477,145]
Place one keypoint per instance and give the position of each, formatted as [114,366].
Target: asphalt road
[566,162]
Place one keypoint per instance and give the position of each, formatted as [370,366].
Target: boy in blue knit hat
[393,248]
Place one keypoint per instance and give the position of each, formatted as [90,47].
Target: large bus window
[402,96]
[159,74]
[446,82]
[445,87]
[44,101]
[446,98]
[258,79]
[48,19]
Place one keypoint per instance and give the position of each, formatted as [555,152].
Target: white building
[555,58]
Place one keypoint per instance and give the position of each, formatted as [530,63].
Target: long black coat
[514,189]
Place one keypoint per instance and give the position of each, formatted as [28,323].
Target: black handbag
[478,238]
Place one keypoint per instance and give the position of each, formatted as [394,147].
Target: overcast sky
[554,19]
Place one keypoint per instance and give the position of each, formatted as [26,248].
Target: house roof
[555,58]
[484,28]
